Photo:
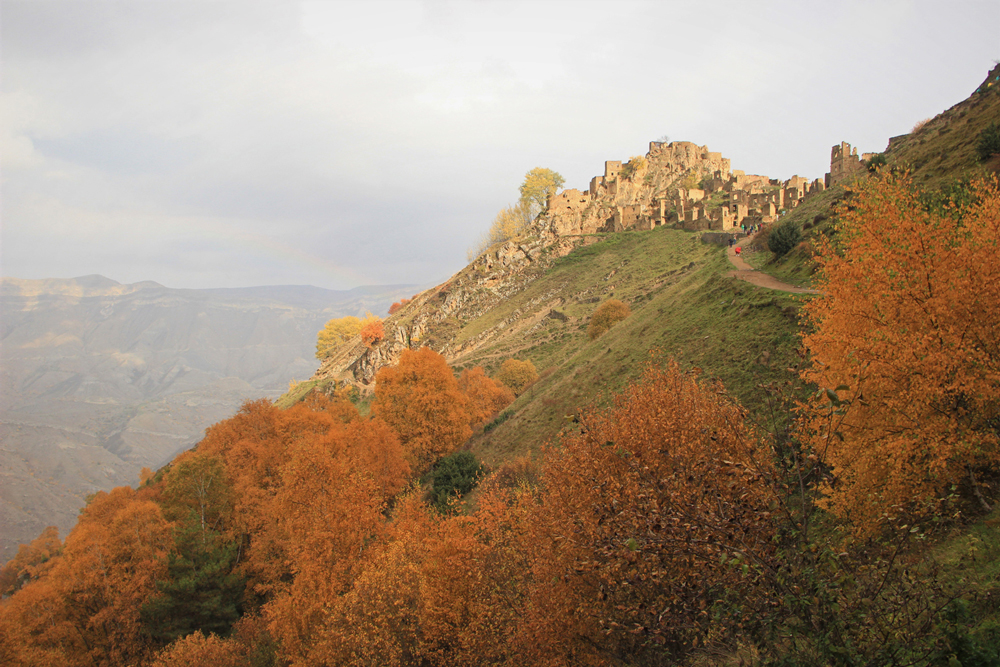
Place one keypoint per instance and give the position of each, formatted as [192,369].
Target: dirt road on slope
[747,273]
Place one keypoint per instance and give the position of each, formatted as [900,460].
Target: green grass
[683,306]
[814,216]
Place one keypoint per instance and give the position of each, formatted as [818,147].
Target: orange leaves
[396,307]
[419,398]
[372,332]
[486,397]
[637,510]
[31,562]
[905,328]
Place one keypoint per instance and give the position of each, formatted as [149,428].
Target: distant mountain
[99,378]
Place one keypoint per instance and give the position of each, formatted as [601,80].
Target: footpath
[747,273]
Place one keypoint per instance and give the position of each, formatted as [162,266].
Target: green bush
[989,142]
[608,314]
[454,475]
[783,238]
[876,162]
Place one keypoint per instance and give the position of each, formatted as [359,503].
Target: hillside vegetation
[714,473]
[938,152]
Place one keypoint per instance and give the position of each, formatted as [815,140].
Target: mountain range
[99,379]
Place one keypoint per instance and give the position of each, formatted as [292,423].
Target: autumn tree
[31,562]
[486,397]
[198,649]
[336,332]
[636,165]
[398,305]
[905,348]
[117,552]
[608,314]
[517,374]
[649,514]
[372,332]
[510,223]
[420,399]
[539,184]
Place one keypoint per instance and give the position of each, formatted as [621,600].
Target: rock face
[433,316]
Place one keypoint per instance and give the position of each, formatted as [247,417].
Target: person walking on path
[746,273]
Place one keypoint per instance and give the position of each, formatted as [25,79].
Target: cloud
[225,143]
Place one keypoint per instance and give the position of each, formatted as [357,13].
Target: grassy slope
[683,306]
[938,152]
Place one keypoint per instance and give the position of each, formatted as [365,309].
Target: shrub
[396,307]
[635,164]
[784,237]
[876,162]
[517,375]
[903,340]
[372,332]
[989,142]
[485,397]
[606,316]
[454,475]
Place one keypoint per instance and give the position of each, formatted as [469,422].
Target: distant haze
[230,144]
[98,379]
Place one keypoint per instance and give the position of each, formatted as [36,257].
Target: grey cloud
[228,143]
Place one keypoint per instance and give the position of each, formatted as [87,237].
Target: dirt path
[747,273]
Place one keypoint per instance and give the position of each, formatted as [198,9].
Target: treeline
[670,524]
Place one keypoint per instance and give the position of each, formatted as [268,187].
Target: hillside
[99,379]
[936,153]
[730,474]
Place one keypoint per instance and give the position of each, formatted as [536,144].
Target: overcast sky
[223,144]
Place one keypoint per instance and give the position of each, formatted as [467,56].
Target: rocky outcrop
[435,316]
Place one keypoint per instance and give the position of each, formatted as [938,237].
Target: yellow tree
[905,345]
[336,332]
[517,374]
[539,184]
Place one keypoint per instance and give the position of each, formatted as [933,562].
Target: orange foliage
[395,308]
[197,649]
[338,405]
[476,578]
[378,621]
[638,513]
[85,610]
[31,562]
[906,339]
[326,517]
[420,400]
[485,397]
[372,332]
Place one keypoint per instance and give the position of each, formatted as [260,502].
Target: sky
[226,144]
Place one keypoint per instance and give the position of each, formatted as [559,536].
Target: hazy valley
[100,379]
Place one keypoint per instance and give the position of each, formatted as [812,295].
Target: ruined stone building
[845,165]
[687,186]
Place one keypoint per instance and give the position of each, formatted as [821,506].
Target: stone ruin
[687,186]
[846,165]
